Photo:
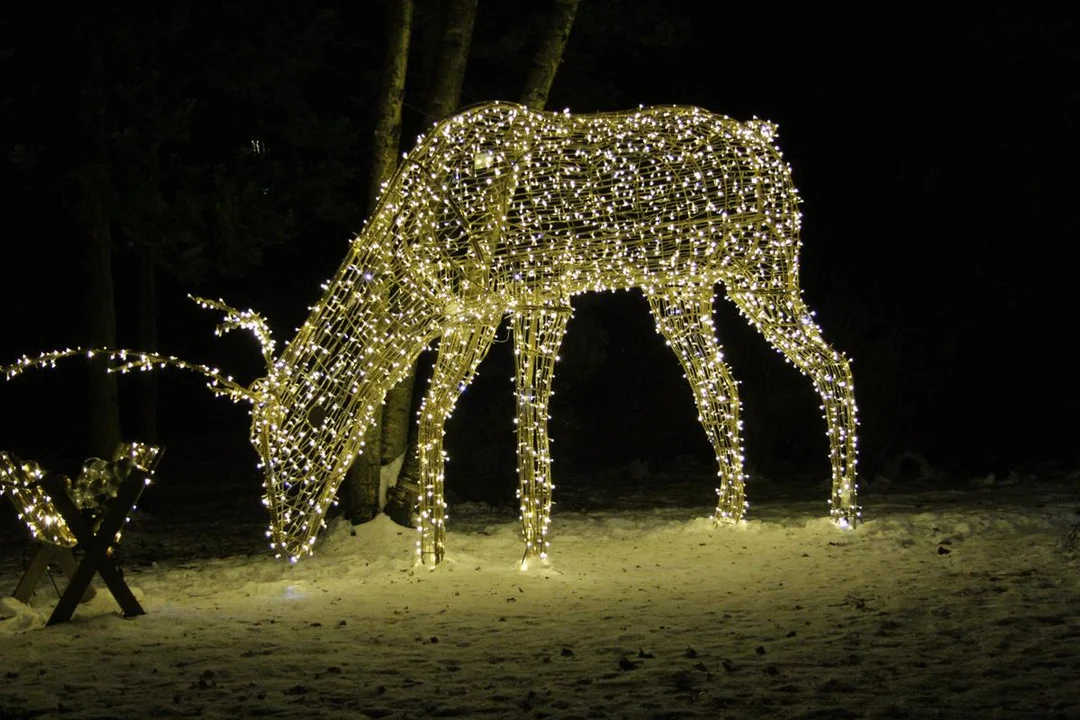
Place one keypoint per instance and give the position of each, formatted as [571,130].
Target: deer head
[311,409]
[268,415]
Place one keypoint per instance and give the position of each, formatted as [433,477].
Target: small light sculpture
[501,210]
[91,489]
[19,480]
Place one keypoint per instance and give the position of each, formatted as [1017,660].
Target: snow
[962,600]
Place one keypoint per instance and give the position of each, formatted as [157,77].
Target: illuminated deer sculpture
[501,210]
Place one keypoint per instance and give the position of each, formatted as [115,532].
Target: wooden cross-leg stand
[47,554]
[96,547]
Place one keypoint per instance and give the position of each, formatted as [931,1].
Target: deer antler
[128,360]
[245,320]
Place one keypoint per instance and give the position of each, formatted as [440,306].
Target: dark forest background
[935,157]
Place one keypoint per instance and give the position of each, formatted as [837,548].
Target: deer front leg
[684,316]
[538,333]
[460,351]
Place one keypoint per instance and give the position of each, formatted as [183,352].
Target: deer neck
[361,337]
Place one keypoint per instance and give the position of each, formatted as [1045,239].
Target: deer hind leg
[684,316]
[538,333]
[460,351]
[788,324]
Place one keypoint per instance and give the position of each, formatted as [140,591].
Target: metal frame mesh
[504,211]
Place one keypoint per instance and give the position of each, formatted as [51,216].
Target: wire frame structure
[500,211]
[21,479]
[504,211]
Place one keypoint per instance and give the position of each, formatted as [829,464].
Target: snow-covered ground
[961,601]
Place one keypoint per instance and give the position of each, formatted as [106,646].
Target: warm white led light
[98,481]
[504,211]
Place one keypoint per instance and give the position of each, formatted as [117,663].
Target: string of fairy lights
[97,482]
[504,211]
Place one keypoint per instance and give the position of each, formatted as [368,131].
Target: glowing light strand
[99,479]
[130,360]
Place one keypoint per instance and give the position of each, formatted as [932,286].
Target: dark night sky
[932,153]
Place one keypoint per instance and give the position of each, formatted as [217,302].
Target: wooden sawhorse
[96,548]
[96,545]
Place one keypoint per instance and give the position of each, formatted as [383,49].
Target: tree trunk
[146,338]
[549,54]
[102,410]
[361,491]
[443,96]
[403,496]
[443,92]
[392,89]
[90,202]
[397,416]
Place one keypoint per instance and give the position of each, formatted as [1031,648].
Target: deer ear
[767,131]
